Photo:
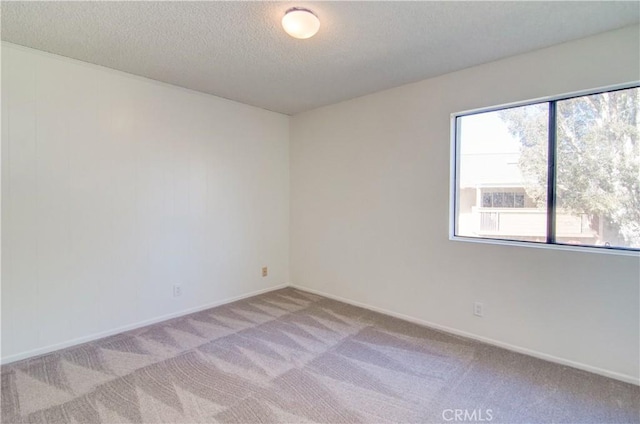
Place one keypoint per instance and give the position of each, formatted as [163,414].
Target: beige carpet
[289,356]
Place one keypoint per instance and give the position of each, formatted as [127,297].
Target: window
[502,200]
[564,171]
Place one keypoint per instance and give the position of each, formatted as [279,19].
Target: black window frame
[551,169]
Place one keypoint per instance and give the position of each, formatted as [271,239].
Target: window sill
[563,247]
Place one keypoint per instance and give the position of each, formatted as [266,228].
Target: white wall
[370,215]
[116,187]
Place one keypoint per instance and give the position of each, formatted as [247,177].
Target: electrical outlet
[265,271]
[478,309]
[177,290]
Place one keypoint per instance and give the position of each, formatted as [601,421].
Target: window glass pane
[502,153]
[598,170]
[486,200]
[519,200]
[508,200]
[498,200]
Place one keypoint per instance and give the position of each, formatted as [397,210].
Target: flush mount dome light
[300,23]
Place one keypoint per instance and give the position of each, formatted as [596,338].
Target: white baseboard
[96,336]
[536,354]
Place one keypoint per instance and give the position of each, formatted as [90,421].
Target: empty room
[320,212]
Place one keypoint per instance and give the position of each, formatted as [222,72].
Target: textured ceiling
[239,51]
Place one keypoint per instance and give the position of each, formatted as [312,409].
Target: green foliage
[598,157]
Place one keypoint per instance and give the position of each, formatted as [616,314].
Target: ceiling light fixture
[300,23]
